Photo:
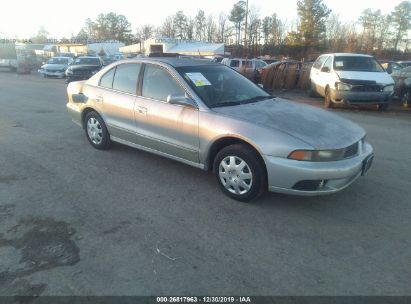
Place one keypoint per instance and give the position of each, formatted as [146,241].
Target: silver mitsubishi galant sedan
[211,117]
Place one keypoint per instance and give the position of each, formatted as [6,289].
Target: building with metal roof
[183,47]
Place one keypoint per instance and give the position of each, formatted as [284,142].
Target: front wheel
[240,172]
[96,131]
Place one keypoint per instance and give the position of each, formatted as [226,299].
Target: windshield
[357,63]
[91,61]
[221,86]
[58,61]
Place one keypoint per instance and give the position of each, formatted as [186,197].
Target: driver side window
[158,83]
[327,64]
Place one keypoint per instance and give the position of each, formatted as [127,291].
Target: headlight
[317,155]
[341,86]
[69,72]
[389,88]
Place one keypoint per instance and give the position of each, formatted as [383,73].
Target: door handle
[99,99]
[141,109]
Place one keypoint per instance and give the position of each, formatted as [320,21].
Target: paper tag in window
[339,64]
[198,79]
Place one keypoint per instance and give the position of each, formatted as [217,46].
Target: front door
[167,128]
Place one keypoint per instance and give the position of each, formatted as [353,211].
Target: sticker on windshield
[198,79]
[339,64]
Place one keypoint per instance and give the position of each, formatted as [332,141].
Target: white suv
[351,79]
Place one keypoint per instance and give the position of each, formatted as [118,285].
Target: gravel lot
[78,221]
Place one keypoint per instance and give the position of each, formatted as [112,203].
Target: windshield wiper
[225,104]
[256,98]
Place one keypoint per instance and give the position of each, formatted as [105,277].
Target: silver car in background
[56,67]
[211,117]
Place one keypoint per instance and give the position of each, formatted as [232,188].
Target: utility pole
[245,34]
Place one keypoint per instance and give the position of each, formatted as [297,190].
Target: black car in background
[83,68]
[402,88]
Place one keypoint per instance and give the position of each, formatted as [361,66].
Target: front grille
[366,88]
[81,72]
[351,150]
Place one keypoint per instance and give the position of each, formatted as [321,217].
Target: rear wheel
[383,107]
[96,131]
[240,172]
[406,99]
[327,98]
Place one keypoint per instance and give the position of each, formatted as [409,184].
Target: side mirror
[389,70]
[325,69]
[182,100]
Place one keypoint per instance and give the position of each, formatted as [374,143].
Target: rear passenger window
[234,63]
[125,78]
[107,80]
[158,83]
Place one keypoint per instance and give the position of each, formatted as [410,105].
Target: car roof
[173,61]
[87,57]
[347,54]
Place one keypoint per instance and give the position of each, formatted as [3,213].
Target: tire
[254,182]
[96,131]
[327,99]
[406,99]
[382,107]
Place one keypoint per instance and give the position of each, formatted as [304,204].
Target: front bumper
[60,74]
[283,173]
[350,97]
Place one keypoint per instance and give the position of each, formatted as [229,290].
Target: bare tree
[401,17]
[222,26]
[190,28]
[180,25]
[211,28]
[200,24]
[167,29]
[236,16]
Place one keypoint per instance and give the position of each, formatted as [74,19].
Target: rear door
[116,99]
[167,128]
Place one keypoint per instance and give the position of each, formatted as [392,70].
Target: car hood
[378,77]
[49,66]
[84,67]
[316,127]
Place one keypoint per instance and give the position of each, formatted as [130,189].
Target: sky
[22,19]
